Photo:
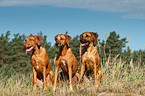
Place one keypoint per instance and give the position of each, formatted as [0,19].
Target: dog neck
[36,49]
[62,51]
[91,44]
[88,47]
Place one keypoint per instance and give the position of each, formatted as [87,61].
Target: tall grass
[119,79]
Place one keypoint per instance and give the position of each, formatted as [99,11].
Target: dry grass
[119,80]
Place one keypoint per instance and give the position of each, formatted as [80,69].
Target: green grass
[119,79]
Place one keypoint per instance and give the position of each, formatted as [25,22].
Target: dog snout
[82,40]
[56,43]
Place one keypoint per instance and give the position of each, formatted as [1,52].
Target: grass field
[119,79]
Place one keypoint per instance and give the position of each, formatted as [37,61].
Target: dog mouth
[58,45]
[84,44]
[29,49]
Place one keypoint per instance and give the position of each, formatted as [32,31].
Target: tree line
[13,58]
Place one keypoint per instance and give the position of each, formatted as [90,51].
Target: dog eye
[55,39]
[61,38]
[87,36]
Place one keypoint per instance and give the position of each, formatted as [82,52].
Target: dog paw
[45,88]
[71,90]
[54,89]
[97,86]
[34,90]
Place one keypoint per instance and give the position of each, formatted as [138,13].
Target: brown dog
[65,59]
[90,58]
[40,62]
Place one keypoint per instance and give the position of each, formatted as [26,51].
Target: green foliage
[114,45]
[3,47]
[122,75]
[75,46]
[13,58]
[16,51]
[44,42]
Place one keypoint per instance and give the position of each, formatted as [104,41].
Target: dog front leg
[44,77]
[50,79]
[70,77]
[56,74]
[82,72]
[96,74]
[34,79]
[100,75]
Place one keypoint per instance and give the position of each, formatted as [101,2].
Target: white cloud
[132,8]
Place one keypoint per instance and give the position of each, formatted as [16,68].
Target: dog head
[62,40]
[87,37]
[31,42]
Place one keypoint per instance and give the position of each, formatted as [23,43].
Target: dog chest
[63,62]
[87,57]
[89,65]
[37,64]
[63,65]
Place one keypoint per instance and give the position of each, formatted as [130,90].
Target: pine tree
[101,50]
[127,55]
[44,42]
[3,47]
[114,44]
[75,46]
[52,53]
[138,57]
[18,59]
[143,58]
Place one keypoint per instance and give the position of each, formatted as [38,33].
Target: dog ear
[95,36]
[38,39]
[81,35]
[68,38]
[55,37]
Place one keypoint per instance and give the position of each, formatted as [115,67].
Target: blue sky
[52,17]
